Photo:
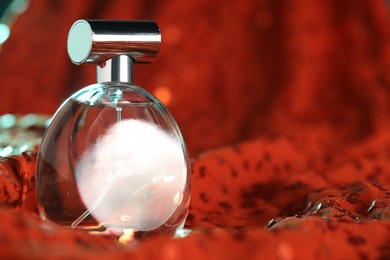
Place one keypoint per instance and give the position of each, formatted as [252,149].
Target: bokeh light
[4,32]
[164,94]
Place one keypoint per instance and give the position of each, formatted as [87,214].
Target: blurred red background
[228,70]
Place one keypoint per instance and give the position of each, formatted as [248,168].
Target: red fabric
[273,198]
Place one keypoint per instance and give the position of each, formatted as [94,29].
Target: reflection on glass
[113,161]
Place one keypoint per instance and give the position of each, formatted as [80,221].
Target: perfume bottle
[113,160]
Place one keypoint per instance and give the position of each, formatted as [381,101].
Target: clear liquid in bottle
[113,161]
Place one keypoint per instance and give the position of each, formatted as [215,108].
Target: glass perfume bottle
[113,159]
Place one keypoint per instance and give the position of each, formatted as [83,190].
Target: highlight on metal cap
[96,41]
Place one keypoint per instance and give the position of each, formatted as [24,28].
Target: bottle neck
[117,69]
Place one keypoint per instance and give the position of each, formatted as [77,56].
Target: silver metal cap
[113,46]
[95,41]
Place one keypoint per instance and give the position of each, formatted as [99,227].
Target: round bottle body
[113,161]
